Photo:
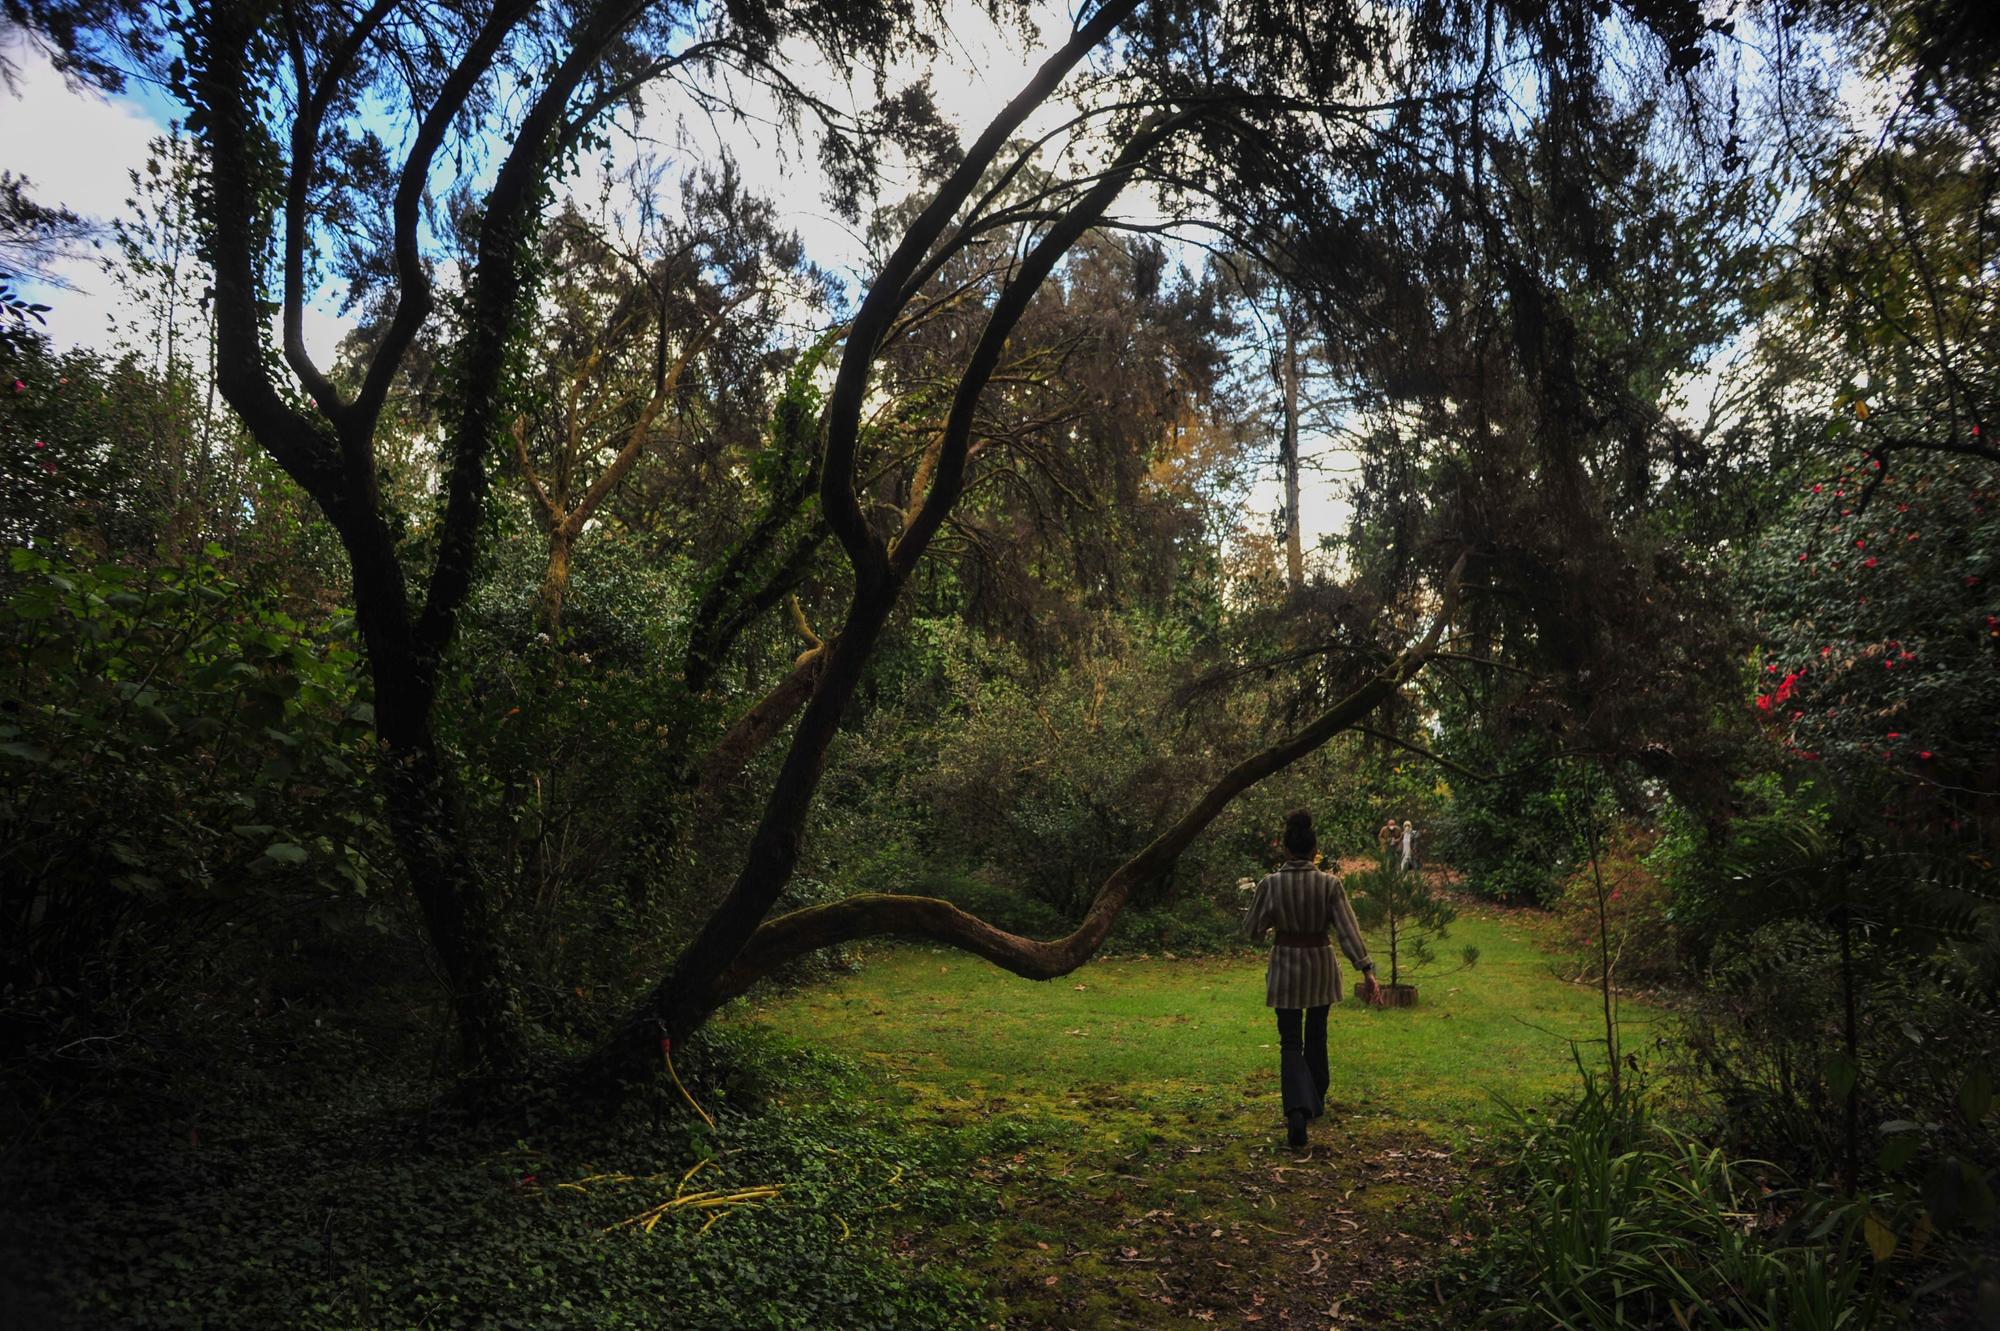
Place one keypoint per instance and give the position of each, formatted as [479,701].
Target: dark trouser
[1302,1058]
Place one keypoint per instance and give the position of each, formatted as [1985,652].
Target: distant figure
[1386,837]
[1409,846]
[1300,903]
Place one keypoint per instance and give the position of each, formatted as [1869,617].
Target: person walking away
[1299,903]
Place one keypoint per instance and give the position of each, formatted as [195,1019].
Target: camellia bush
[1881,621]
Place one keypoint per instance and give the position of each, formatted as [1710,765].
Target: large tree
[284,103]
[1310,138]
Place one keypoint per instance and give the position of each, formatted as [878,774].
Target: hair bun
[1300,838]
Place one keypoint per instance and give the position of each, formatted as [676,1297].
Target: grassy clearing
[953,1031]
[1149,1186]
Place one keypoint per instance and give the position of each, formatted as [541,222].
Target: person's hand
[1371,989]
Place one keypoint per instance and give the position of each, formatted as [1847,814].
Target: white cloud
[78,150]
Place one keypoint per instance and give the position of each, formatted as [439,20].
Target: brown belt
[1294,938]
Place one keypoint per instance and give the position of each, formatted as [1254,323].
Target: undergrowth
[1619,1220]
[347,1205]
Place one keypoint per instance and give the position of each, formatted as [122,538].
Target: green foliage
[1765,1036]
[977,768]
[1508,836]
[176,750]
[569,756]
[1625,1221]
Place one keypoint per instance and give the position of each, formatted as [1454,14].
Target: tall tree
[280,101]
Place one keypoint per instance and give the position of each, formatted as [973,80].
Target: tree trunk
[1395,977]
[759,726]
[555,581]
[1288,452]
[425,820]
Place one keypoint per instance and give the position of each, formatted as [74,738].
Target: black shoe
[1295,1135]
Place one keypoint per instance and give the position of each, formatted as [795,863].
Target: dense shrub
[972,765]
[1766,1032]
[1508,837]
[178,756]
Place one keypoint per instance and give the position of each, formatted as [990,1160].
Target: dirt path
[1353,1231]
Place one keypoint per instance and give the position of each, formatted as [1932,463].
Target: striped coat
[1301,899]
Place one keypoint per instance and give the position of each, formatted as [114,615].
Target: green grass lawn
[946,1025]
[1140,1178]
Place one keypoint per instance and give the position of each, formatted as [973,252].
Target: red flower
[1868,562]
[1895,734]
[1971,581]
[1860,544]
[1815,489]
[1763,702]
[1826,651]
[1925,755]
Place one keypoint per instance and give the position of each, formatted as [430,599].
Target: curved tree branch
[874,914]
[886,295]
[314,98]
